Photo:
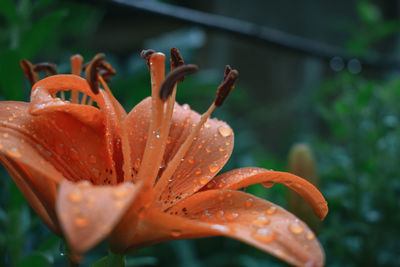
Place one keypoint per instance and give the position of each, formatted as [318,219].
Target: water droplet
[190,160]
[5,135]
[204,180]
[296,228]
[208,149]
[310,236]
[249,203]
[207,125]
[75,196]
[14,153]
[264,235]
[271,210]
[231,216]
[81,221]
[224,131]
[213,167]
[221,149]
[268,184]
[261,221]
[176,233]
[221,228]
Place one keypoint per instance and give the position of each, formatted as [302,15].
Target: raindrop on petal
[14,153]
[224,131]
[261,221]
[176,233]
[264,235]
[271,210]
[268,184]
[213,167]
[81,221]
[249,203]
[296,228]
[310,236]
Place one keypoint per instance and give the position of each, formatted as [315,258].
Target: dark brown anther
[49,68]
[29,71]
[176,58]
[92,71]
[106,71]
[226,87]
[227,71]
[173,77]
[146,54]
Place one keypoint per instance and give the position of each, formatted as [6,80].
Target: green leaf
[41,31]
[11,86]
[112,260]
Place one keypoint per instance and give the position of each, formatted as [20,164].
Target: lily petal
[156,226]
[204,159]
[105,120]
[240,178]
[53,141]
[255,221]
[88,213]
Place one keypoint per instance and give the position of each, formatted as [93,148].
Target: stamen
[223,91]
[176,160]
[76,65]
[91,72]
[227,71]
[146,54]
[173,77]
[226,86]
[45,66]
[29,72]
[95,68]
[154,150]
[176,58]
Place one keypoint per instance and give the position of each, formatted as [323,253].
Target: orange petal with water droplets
[54,141]
[156,226]
[255,221]
[244,177]
[88,213]
[104,120]
[204,159]
[42,100]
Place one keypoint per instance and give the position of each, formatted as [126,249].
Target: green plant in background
[359,154]
[29,28]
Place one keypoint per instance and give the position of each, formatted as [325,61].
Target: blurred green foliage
[358,155]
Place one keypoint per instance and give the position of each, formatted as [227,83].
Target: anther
[227,71]
[176,58]
[173,77]
[46,66]
[226,86]
[146,54]
[29,71]
[95,68]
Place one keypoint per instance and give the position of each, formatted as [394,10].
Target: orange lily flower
[92,172]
